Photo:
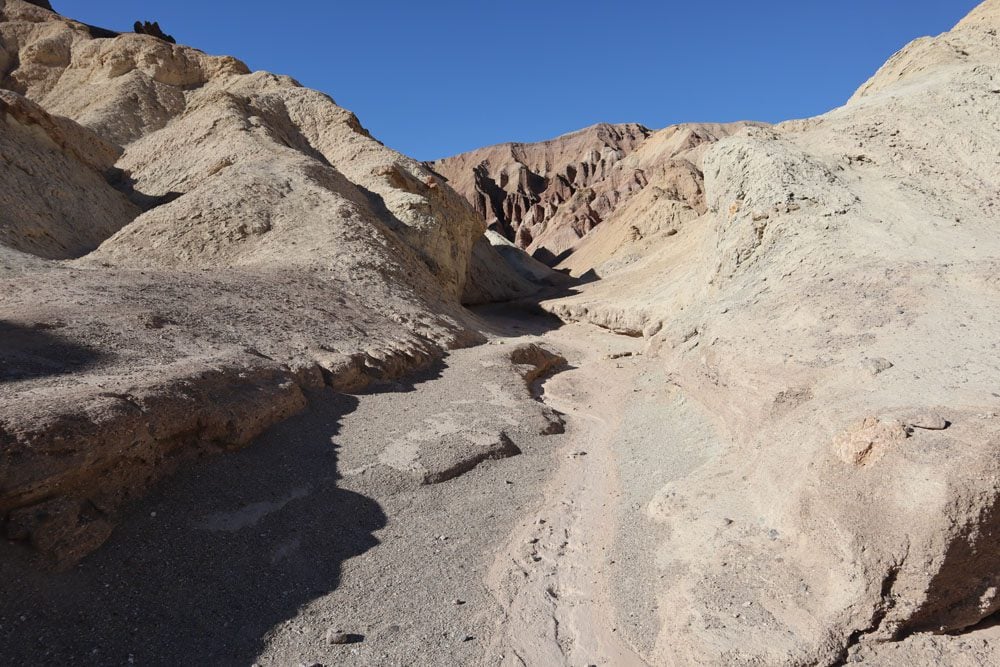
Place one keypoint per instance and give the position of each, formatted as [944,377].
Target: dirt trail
[552,576]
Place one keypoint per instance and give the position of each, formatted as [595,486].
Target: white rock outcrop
[836,516]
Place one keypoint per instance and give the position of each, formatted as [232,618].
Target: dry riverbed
[445,520]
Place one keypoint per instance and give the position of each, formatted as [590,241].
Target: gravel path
[324,531]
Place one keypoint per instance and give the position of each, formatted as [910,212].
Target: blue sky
[435,78]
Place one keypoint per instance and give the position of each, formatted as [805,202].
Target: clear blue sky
[436,77]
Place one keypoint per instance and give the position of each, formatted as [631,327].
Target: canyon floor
[546,557]
[257,556]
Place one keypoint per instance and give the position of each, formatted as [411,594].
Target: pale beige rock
[876,365]
[866,233]
[499,271]
[56,202]
[986,16]
[258,243]
[930,421]
[867,441]
[129,88]
[794,501]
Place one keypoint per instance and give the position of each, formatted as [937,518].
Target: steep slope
[547,196]
[835,312]
[56,201]
[256,243]
[131,88]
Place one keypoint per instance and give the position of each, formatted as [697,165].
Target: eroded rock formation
[546,196]
[255,243]
[517,188]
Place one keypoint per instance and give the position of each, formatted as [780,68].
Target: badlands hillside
[272,393]
[545,197]
[187,247]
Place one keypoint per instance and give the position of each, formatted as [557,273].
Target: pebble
[876,365]
[457,601]
[337,637]
[930,421]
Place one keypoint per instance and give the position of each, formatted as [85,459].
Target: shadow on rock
[408,382]
[515,319]
[28,352]
[122,181]
[201,570]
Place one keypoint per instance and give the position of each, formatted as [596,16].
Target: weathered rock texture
[471,430]
[547,196]
[255,243]
[833,309]
[56,200]
[518,188]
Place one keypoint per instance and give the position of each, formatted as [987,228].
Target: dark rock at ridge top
[153,30]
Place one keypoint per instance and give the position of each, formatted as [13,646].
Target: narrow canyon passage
[735,399]
[514,562]
[553,577]
[575,579]
[328,524]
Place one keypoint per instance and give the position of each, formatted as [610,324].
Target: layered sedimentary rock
[518,188]
[835,313]
[229,241]
[674,193]
[546,196]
